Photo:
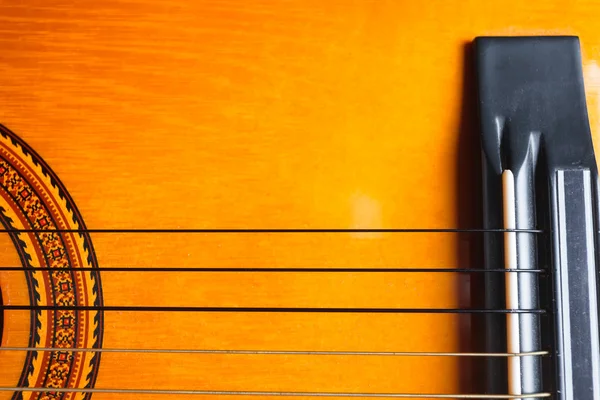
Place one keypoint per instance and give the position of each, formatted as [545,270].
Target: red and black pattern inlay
[40,202]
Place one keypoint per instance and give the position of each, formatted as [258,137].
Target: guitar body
[240,115]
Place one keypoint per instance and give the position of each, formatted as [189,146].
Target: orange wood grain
[266,114]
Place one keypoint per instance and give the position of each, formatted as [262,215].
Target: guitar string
[276,230]
[350,310]
[257,309]
[283,352]
[274,270]
[284,394]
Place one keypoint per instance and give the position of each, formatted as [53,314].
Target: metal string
[282,352]
[261,309]
[289,394]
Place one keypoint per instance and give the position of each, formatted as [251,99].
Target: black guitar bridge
[534,124]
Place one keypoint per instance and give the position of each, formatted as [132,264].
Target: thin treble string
[275,270]
[11,307]
[276,230]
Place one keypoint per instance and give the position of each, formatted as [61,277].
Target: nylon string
[274,310]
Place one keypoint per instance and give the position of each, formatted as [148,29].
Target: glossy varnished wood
[266,114]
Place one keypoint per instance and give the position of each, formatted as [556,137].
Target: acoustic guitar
[344,199]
